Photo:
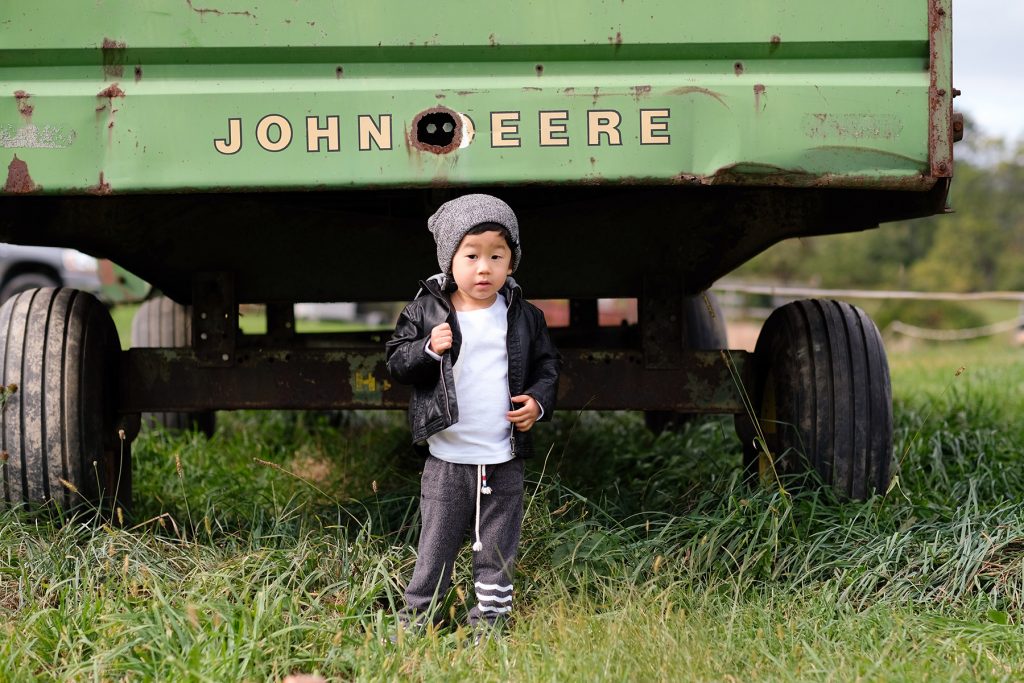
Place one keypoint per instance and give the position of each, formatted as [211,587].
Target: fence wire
[898,326]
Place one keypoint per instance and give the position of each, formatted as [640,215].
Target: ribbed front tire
[823,397]
[58,434]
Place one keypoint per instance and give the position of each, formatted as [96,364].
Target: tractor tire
[823,398]
[705,331]
[161,323]
[24,282]
[58,423]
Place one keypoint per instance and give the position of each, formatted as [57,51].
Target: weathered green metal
[940,93]
[123,97]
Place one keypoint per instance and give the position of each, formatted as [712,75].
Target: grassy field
[283,543]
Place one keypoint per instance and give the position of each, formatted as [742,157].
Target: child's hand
[441,338]
[523,418]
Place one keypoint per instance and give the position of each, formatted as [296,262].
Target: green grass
[643,557]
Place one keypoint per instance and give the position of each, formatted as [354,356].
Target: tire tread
[830,380]
[59,347]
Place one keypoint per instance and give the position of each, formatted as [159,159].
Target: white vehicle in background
[23,268]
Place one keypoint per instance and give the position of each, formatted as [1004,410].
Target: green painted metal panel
[127,96]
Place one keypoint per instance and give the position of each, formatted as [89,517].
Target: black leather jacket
[533,361]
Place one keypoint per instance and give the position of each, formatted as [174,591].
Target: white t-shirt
[482,434]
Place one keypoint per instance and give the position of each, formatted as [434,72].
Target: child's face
[481,265]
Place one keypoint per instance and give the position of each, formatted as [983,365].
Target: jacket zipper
[444,387]
[444,384]
[512,432]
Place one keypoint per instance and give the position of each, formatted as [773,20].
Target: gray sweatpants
[448,494]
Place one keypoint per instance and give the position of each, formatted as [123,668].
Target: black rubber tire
[705,331]
[823,397]
[60,348]
[25,282]
[162,323]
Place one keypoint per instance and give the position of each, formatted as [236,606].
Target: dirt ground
[742,334]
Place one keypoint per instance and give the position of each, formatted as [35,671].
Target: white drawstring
[481,487]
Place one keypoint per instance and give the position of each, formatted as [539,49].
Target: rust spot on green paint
[759,90]
[18,179]
[111,91]
[203,11]
[113,58]
[101,188]
[24,108]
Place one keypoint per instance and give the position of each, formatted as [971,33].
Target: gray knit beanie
[455,218]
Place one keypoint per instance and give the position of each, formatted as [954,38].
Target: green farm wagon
[232,152]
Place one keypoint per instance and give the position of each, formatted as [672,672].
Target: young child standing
[483,370]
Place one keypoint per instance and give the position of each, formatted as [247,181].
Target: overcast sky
[988,64]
